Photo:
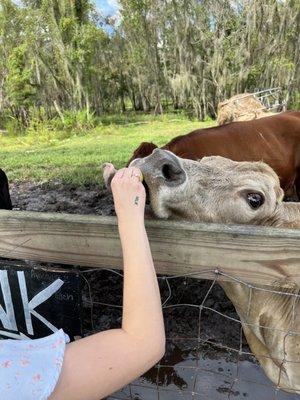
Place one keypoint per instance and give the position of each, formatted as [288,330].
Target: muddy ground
[58,197]
[202,359]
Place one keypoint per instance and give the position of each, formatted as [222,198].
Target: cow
[5,200]
[216,189]
[274,140]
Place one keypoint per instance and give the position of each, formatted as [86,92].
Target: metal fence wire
[207,356]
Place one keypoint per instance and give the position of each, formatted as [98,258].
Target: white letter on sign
[7,318]
[38,299]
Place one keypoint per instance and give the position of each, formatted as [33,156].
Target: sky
[108,7]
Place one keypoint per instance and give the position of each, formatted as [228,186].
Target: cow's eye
[255,200]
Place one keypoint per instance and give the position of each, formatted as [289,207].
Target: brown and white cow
[217,189]
[274,140]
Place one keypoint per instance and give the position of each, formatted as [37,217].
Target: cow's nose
[169,167]
[161,166]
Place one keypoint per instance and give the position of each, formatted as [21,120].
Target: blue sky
[107,7]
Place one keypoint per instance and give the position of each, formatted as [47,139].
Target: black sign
[37,301]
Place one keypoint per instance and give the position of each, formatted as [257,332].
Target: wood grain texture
[253,254]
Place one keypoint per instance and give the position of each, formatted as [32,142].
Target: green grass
[44,156]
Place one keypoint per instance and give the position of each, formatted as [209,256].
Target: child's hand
[129,195]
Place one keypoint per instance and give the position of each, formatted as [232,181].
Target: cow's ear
[144,150]
[5,200]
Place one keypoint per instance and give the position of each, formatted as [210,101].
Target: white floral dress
[29,369]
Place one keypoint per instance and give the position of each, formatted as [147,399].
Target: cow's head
[214,189]
[5,201]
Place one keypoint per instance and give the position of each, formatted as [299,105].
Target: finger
[106,166]
[108,175]
[139,177]
[136,172]
[108,169]
[120,173]
[131,173]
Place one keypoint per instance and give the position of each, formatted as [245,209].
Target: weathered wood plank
[253,254]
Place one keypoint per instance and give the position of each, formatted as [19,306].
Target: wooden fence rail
[253,254]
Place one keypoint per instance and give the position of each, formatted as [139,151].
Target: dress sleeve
[29,369]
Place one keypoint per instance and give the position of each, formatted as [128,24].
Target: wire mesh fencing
[207,355]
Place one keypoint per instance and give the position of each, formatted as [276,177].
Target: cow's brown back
[274,140]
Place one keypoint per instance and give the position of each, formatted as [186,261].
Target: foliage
[67,60]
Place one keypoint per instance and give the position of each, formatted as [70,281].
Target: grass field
[45,155]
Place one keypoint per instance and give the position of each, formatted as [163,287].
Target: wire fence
[207,355]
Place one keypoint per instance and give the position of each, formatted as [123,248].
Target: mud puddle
[202,360]
[212,375]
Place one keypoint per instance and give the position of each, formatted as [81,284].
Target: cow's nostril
[166,171]
[171,172]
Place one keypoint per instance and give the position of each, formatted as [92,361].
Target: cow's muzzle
[161,166]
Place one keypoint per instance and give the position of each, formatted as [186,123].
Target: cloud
[108,7]
[114,4]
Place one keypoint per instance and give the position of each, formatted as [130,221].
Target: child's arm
[98,365]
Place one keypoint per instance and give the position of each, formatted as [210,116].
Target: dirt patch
[58,197]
